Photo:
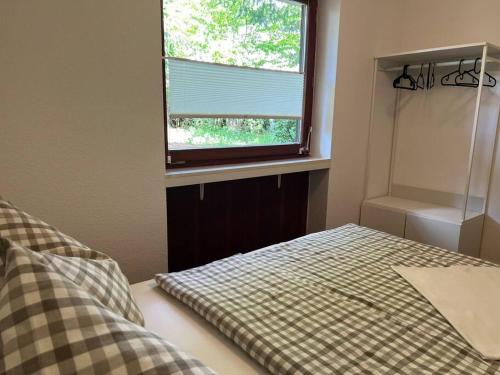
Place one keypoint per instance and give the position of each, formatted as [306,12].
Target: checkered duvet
[329,303]
[50,325]
[67,309]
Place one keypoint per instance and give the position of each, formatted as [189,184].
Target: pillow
[34,234]
[92,270]
[51,325]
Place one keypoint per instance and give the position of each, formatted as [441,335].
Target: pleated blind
[199,89]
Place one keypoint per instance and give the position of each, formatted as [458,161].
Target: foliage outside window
[228,37]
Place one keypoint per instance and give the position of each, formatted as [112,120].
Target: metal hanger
[468,78]
[465,78]
[492,82]
[405,81]
[431,78]
[420,78]
[449,79]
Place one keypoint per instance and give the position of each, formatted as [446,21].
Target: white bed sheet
[467,297]
[181,326]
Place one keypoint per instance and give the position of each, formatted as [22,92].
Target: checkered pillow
[50,325]
[34,234]
[90,269]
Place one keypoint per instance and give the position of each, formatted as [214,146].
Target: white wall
[325,74]
[434,135]
[448,22]
[81,124]
[367,28]
[434,129]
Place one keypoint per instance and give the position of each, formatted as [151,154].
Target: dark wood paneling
[183,217]
[233,217]
[243,197]
[294,207]
[269,212]
[213,223]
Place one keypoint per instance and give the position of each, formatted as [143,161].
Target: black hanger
[492,82]
[431,78]
[449,79]
[468,78]
[465,78]
[420,78]
[399,82]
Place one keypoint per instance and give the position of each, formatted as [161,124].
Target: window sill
[202,175]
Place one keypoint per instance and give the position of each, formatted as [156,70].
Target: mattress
[330,303]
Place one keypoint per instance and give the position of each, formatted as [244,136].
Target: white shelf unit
[437,225]
[407,192]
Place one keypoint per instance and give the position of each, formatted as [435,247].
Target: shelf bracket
[202,192]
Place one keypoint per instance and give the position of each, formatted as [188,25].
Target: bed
[326,303]
[177,323]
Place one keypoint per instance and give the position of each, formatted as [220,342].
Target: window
[238,79]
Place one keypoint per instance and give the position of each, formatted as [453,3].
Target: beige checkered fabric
[33,233]
[90,269]
[50,325]
[330,303]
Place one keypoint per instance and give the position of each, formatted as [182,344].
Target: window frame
[242,154]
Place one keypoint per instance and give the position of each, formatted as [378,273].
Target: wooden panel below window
[233,217]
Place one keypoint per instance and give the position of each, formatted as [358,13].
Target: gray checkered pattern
[32,233]
[90,269]
[49,325]
[329,303]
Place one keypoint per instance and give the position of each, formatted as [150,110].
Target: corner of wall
[365,30]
